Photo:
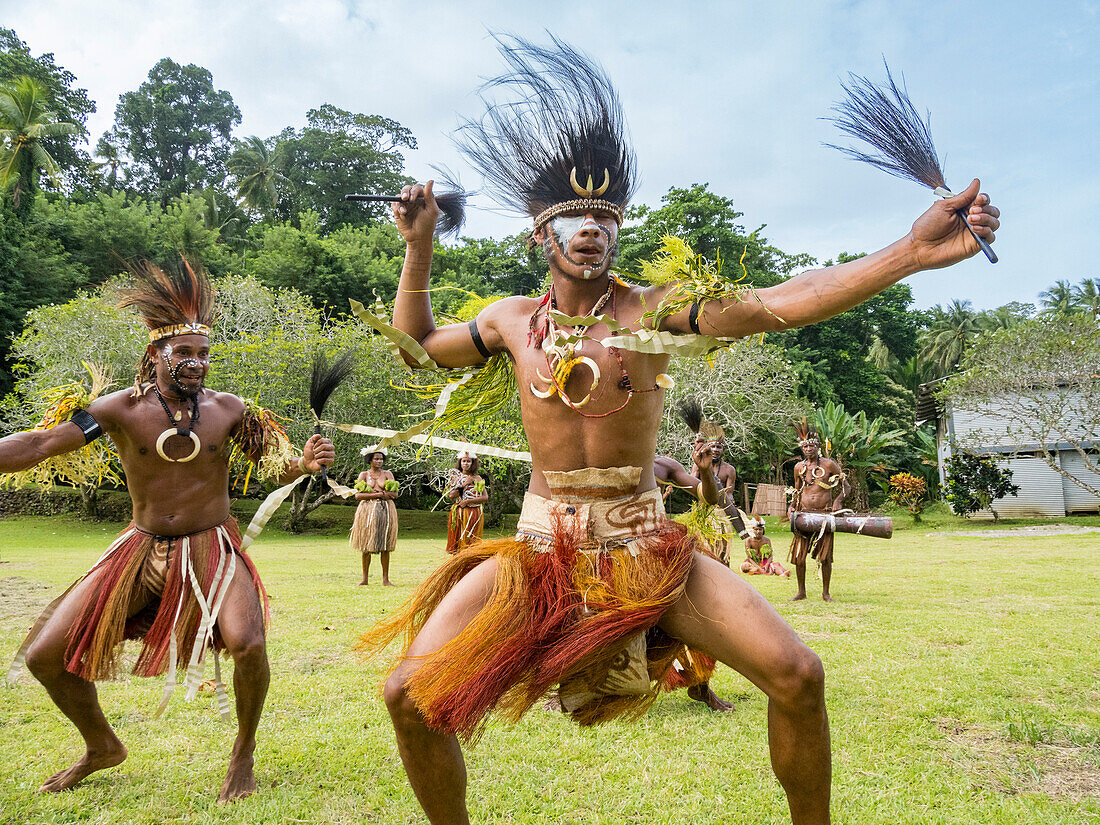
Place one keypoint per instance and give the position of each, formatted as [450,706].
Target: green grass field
[963,683]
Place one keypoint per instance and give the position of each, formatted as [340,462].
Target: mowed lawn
[963,684]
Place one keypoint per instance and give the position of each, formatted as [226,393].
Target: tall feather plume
[326,377]
[885,117]
[451,203]
[323,381]
[690,411]
[561,113]
[173,295]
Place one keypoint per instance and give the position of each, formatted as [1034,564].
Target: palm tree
[1088,296]
[256,168]
[1060,301]
[948,334]
[24,125]
[109,164]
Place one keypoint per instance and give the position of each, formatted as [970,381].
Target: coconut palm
[1060,301]
[256,169]
[107,167]
[24,124]
[949,333]
[1088,296]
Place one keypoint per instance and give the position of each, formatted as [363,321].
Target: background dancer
[759,550]
[374,529]
[819,487]
[468,492]
[175,577]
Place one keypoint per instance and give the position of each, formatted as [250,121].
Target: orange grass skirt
[464,527]
[564,611]
[129,567]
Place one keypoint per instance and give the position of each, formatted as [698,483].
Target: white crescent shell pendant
[171,431]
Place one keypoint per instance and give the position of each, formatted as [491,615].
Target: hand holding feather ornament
[326,377]
[885,117]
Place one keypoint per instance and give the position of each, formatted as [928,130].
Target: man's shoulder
[228,402]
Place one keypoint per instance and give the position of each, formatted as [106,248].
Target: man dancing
[599,592]
[820,486]
[176,576]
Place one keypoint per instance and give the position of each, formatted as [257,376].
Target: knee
[249,651]
[43,663]
[402,709]
[801,684]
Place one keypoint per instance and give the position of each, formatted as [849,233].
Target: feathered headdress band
[563,124]
[171,301]
[806,433]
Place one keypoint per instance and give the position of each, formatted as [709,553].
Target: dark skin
[812,497]
[170,499]
[722,470]
[719,614]
[455,493]
[376,477]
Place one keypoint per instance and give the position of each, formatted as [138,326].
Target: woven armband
[476,335]
[88,425]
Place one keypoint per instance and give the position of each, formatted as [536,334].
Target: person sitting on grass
[759,550]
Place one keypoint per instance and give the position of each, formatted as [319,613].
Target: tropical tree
[107,167]
[948,334]
[255,169]
[1060,300]
[25,125]
[858,444]
[175,131]
[1088,296]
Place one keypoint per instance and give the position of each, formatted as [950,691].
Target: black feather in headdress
[886,118]
[560,121]
[323,381]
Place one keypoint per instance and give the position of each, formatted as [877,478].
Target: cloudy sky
[728,93]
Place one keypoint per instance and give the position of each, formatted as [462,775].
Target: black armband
[693,318]
[88,425]
[476,335]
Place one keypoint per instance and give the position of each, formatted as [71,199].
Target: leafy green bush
[974,482]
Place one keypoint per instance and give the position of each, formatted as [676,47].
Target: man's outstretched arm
[452,345]
[21,451]
[938,238]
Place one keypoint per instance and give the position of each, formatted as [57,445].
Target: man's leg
[241,625]
[77,698]
[724,616]
[386,570]
[800,575]
[433,760]
[826,577]
[366,567]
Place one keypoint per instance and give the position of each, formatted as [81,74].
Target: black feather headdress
[556,134]
[886,118]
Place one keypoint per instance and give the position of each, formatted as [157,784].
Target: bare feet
[825,597]
[239,781]
[388,583]
[91,762]
[362,583]
[703,693]
[798,597]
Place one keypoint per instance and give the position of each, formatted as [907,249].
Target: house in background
[1043,491]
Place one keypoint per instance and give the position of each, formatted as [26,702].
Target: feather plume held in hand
[326,377]
[884,117]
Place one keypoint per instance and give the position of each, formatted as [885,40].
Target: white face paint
[566,228]
[167,351]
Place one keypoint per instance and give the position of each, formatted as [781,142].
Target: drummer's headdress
[806,433]
[556,142]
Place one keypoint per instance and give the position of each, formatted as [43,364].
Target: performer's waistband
[229,522]
[593,504]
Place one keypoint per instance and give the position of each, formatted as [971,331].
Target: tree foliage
[26,127]
[68,102]
[1036,385]
[974,482]
[174,132]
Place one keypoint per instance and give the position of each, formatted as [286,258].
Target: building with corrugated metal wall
[1043,491]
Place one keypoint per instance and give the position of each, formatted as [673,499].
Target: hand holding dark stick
[452,207]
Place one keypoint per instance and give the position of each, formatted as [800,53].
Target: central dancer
[599,591]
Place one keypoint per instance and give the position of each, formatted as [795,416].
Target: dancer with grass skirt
[176,577]
[468,492]
[374,530]
[599,592]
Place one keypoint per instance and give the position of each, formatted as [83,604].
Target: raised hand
[416,213]
[939,236]
[318,452]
